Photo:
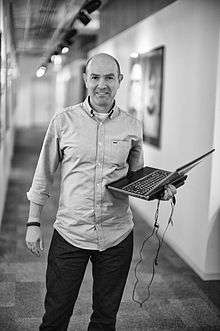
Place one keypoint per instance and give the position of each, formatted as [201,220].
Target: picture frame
[146,93]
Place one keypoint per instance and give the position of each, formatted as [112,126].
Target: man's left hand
[169,192]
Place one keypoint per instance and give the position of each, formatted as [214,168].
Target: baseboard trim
[178,250]
[203,275]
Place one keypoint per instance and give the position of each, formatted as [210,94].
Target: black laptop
[148,183]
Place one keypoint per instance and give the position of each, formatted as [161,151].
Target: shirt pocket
[117,150]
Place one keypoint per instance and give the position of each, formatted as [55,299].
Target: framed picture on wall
[135,88]
[145,93]
[152,88]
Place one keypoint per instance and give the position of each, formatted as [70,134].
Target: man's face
[102,81]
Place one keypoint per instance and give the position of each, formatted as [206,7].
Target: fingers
[172,188]
[31,247]
[41,245]
[34,247]
[169,192]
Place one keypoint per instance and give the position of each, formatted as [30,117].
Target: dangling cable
[160,242]
[155,228]
[170,221]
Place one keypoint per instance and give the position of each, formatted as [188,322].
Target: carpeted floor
[179,299]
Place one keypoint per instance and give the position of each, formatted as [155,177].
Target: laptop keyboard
[146,184]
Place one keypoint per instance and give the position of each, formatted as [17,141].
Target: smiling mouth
[102,95]
[102,92]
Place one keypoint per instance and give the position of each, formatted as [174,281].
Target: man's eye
[94,78]
[110,78]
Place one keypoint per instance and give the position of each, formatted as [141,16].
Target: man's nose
[102,83]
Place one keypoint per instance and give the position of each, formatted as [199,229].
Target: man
[95,143]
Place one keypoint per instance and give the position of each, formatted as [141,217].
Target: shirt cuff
[37,198]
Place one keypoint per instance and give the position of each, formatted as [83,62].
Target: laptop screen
[187,167]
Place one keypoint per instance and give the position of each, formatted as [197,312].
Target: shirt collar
[113,113]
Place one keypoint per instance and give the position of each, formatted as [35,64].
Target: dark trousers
[65,271]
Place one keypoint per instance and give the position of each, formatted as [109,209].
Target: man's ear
[120,78]
[85,78]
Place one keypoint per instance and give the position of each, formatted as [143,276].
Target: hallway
[179,299]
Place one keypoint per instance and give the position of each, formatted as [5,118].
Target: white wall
[7,102]
[5,166]
[212,262]
[189,30]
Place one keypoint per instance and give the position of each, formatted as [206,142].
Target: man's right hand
[34,240]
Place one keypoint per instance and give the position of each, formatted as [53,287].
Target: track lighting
[91,6]
[67,33]
[70,34]
[57,60]
[65,50]
[134,55]
[84,17]
[41,71]
[52,57]
[54,54]
[64,46]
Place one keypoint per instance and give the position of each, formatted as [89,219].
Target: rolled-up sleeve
[48,162]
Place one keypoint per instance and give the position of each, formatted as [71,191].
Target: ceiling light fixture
[41,71]
[65,50]
[66,33]
[52,57]
[91,6]
[134,55]
[57,60]
[84,17]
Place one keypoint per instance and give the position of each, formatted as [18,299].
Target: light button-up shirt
[92,153]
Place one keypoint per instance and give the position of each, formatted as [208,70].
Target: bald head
[103,57]
[102,78]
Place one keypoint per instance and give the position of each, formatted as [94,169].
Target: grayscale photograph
[109,165]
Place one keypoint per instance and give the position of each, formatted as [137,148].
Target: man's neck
[100,109]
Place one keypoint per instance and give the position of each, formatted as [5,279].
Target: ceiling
[39,24]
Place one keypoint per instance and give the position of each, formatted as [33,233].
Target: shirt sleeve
[48,162]
[136,155]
